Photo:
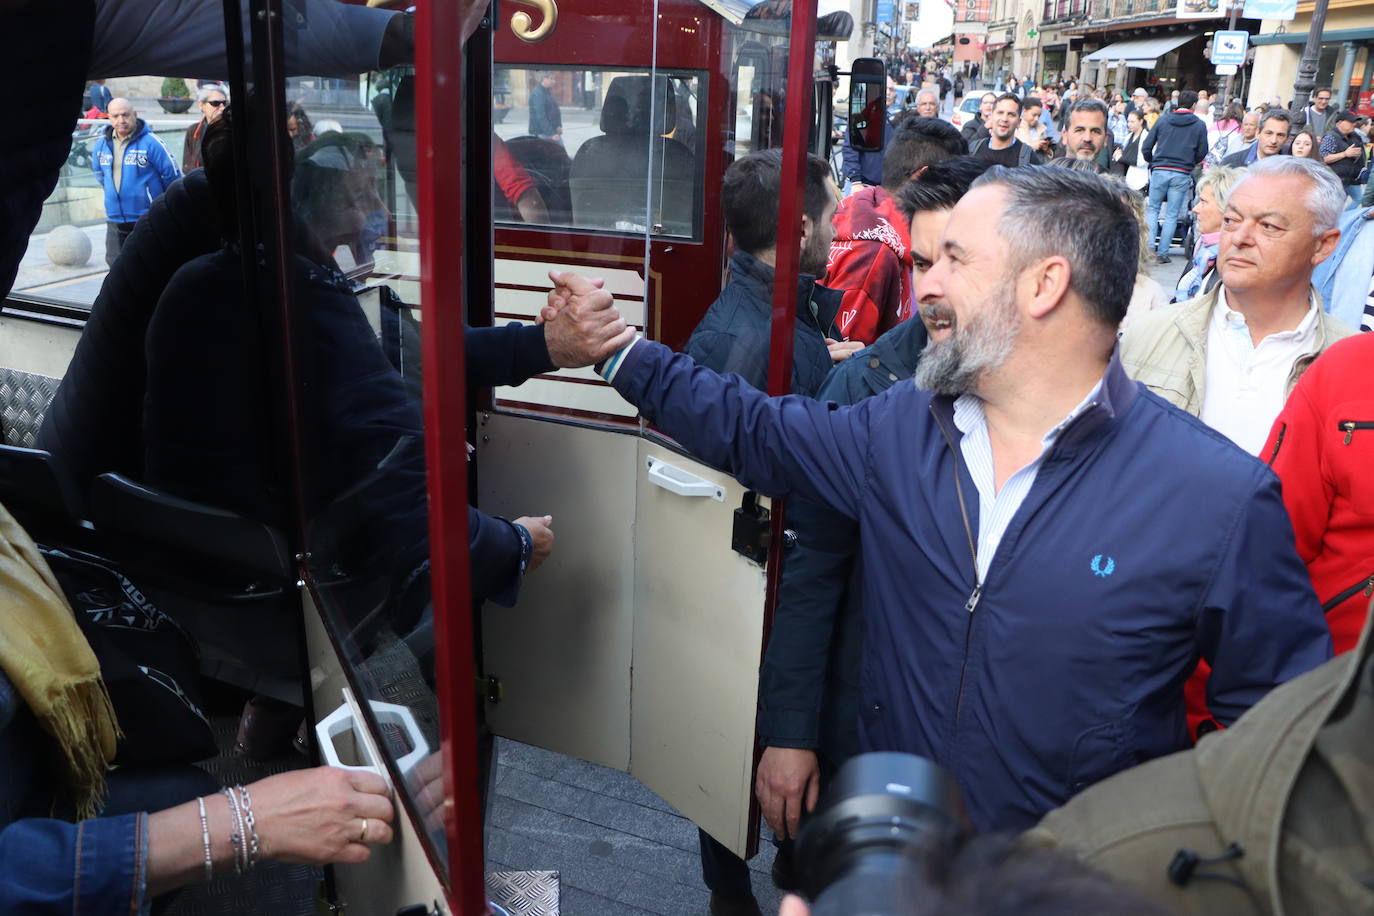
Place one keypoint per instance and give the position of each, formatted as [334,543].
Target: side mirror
[867,104]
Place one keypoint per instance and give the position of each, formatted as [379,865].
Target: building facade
[1343,65]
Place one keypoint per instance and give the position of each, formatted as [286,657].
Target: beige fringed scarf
[52,666]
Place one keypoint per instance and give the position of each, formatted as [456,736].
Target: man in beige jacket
[1232,356]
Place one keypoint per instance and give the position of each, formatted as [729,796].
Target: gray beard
[951,367]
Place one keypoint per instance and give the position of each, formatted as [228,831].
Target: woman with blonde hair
[1151,112]
[1213,190]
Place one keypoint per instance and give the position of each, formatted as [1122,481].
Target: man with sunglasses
[212,101]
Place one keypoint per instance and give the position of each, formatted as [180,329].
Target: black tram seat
[610,173]
[228,580]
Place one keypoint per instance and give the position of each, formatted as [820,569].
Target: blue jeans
[1354,193]
[1175,187]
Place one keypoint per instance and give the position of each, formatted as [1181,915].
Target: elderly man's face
[122,118]
[1086,134]
[1345,127]
[968,298]
[1249,127]
[1266,234]
[213,106]
[927,104]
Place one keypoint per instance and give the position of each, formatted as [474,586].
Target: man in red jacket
[870,256]
[1322,448]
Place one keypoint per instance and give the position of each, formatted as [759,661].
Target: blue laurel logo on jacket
[1103,566]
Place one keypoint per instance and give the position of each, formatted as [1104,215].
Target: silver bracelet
[252,830]
[205,838]
[236,828]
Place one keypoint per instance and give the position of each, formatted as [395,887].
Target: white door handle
[683,483]
[344,719]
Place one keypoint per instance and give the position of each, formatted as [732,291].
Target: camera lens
[861,852]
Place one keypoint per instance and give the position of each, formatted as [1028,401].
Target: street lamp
[1311,52]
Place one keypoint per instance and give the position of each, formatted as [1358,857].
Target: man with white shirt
[1040,571]
[1233,355]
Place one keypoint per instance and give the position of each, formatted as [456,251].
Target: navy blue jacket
[1146,542]
[1178,142]
[809,684]
[734,334]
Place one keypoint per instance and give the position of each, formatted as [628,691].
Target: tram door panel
[563,654]
[698,632]
[636,644]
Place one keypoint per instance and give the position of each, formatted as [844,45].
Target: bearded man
[1040,571]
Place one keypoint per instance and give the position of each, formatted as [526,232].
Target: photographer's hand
[788,778]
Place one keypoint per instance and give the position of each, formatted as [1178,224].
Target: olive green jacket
[1167,349]
[1292,783]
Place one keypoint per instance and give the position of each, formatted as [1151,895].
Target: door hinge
[751,533]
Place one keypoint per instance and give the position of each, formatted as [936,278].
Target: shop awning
[1140,52]
[998,47]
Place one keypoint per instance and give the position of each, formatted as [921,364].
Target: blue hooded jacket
[1147,541]
[148,170]
[1343,278]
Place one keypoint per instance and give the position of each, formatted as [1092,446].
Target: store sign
[886,11]
[1200,9]
[1285,10]
[1228,48]
[913,12]
[1227,69]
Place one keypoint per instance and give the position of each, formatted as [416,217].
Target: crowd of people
[1051,530]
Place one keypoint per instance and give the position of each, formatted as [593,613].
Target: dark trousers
[724,872]
[115,234]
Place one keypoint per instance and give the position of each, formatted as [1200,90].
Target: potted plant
[176,97]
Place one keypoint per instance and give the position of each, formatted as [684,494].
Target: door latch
[751,532]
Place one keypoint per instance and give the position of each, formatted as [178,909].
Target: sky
[937,19]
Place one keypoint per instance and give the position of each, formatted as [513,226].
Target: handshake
[582,326]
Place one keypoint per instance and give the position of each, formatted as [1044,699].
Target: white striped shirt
[996,508]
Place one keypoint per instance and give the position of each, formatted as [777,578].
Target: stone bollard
[68,246]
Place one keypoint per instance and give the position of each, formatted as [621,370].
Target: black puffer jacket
[95,421]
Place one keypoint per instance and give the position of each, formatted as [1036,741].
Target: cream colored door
[636,645]
[697,639]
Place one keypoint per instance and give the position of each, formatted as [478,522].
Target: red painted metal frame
[438,64]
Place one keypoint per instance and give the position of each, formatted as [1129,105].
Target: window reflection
[612,150]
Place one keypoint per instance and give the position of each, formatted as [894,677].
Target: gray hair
[930,92]
[204,94]
[1083,217]
[1326,201]
[1222,180]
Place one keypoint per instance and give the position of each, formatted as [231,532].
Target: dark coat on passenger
[809,684]
[53,83]
[1117,573]
[733,335]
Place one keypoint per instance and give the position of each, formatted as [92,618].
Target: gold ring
[362,837]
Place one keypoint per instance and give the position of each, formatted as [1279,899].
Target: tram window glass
[354,204]
[66,260]
[599,149]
